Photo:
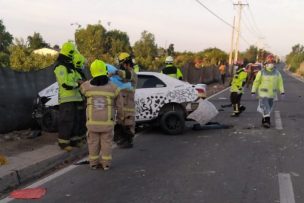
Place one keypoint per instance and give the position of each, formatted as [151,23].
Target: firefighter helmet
[98,68]
[68,49]
[78,60]
[169,60]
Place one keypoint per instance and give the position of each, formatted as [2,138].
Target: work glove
[253,95]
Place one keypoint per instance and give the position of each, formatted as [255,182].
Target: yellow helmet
[123,56]
[98,68]
[78,60]
[68,49]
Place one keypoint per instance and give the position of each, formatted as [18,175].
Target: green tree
[5,40]
[36,42]
[22,59]
[91,41]
[116,42]
[295,57]
[212,56]
[251,54]
[145,51]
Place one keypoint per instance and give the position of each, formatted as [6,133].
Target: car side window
[149,81]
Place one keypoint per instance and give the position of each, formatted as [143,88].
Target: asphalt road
[243,164]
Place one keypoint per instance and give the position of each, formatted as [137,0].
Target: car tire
[172,122]
[49,122]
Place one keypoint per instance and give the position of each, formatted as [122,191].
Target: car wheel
[49,121]
[172,122]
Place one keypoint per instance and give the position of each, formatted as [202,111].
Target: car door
[149,97]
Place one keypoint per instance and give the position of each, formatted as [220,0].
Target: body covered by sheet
[204,112]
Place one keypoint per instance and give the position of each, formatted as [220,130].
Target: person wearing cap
[236,89]
[68,95]
[267,84]
[172,70]
[125,127]
[102,100]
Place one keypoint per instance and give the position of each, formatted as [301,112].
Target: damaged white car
[158,98]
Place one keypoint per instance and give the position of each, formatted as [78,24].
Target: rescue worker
[136,66]
[102,101]
[79,138]
[171,70]
[69,96]
[236,89]
[125,127]
[267,83]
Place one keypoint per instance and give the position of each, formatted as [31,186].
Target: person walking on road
[267,83]
[236,89]
[102,100]
[69,96]
[172,70]
[125,127]
[222,69]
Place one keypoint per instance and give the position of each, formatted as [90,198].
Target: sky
[275,25]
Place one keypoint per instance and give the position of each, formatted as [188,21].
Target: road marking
[286,189]
[278,121]
[220,92]
[46,179]
[55,175]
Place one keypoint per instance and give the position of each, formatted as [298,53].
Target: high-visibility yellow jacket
[136,68]
[101,103]
[172,71]
[268,83]
[68,86]
[238,81]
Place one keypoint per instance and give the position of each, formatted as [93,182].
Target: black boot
[242,108]
[266,123]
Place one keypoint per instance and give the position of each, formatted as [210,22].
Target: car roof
[165,78]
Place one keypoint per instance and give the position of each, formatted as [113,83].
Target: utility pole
[240,7]
[231,45]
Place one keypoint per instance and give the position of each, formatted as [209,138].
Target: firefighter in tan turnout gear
[102,101]
[125,127]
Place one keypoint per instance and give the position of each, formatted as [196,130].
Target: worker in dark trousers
[172,70]
[236,89]
[69,96]
[124,130]
[79,139]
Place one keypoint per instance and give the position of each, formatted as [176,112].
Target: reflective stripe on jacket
[65,78]
[101,101]
[268,83]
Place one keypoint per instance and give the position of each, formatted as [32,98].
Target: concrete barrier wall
[17,93]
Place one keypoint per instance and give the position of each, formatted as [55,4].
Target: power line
[213,13]
[253,19]
[221,19]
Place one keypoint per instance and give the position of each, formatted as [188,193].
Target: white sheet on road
[204,112]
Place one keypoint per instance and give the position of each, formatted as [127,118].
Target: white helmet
[169,60]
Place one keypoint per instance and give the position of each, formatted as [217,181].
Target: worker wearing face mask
[267,84]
